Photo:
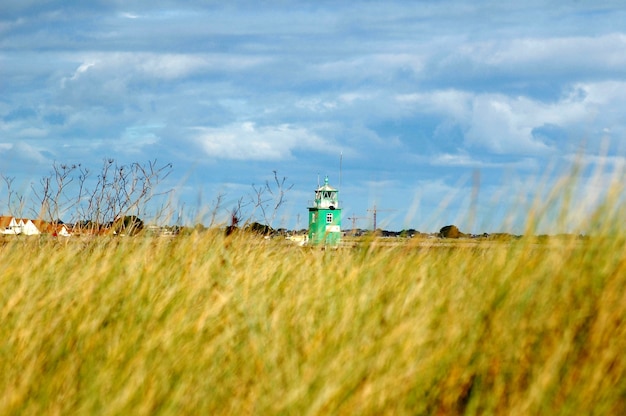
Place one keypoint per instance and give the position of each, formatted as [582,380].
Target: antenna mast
[340,173]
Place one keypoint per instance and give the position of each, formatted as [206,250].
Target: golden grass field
[204,324]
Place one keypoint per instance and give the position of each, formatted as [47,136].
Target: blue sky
[447,112]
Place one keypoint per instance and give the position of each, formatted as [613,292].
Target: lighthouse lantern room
[325,216]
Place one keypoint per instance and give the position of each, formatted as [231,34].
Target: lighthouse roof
[326,186]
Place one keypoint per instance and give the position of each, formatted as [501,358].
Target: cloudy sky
[443,112]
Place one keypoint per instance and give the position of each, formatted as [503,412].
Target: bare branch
[15,201]
[116,191]
[276,198]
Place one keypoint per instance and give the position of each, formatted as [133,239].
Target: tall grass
[205,324]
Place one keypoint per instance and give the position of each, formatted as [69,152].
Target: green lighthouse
[325,216]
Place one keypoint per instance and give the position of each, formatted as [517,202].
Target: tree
[117,191]
[270,197]
[15,201]
[128,225]
[450,231]
[258,228]
[234,220]
[267,199]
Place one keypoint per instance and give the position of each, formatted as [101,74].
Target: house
[60,230]
[13,226]
[30,227]
[8,225]
[43,227]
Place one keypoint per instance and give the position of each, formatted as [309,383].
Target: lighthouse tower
[325,216]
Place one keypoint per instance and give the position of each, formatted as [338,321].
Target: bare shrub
[93,199]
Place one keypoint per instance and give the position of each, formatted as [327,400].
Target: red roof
[5,221]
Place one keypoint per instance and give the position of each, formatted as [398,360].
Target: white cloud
[370,66]
[466,160]
[247,141]
[32,133]
[462,159]
[450,102]
[135,138]
[316,105]
[496,123]
[546,57]
[128,15]
[159,65]
[25,152]
[505,124]
[84,67]
[600,52]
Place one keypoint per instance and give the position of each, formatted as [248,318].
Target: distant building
[8,225]
[24,226]
[29,227]
[325,216]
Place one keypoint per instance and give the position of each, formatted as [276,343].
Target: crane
[376,210]
[354,219]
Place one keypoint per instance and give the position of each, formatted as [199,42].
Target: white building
[27,227]
[8,225]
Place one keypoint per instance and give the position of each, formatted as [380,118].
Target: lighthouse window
[329,218]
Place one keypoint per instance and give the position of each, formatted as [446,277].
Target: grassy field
[202,324]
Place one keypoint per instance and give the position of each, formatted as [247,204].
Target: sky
[429,112]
